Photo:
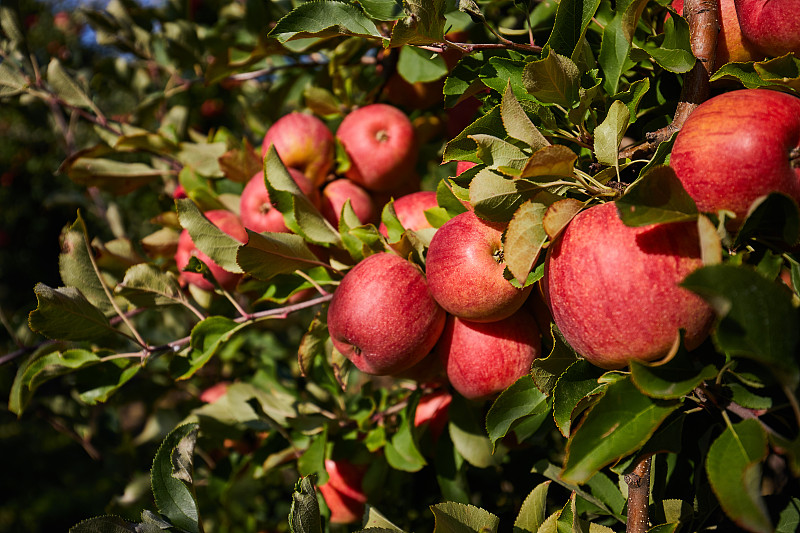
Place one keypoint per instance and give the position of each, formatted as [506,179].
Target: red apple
[482,359]
[463,166]
[303,142]
[230,224]
[337,192]
[382,316]
[773,26]
[214,392]
[257,212]
[410,210]
[379,140]
[732,46]
[465,269]
[737,147]
[342,492]
[613,289]
[433,411]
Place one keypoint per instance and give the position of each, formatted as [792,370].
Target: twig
[638,496]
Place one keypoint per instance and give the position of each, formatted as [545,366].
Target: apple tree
[346,265]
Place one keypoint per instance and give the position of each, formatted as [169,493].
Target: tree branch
[638,496]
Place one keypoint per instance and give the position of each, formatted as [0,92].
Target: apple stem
[638,482]
[794,157]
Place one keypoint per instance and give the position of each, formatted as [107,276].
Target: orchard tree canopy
[400,265]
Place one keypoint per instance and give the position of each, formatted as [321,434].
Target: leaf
[675,379]
[324,19]
[551,471]
[468,435]
[672,49]
[545,371]
[633,96]
[171,476]
[774,219]
[520,400]
[616,43]
[266,255]
[497,153]
[203,158]
[383,9]
[66,88]
[76,268]
[105,524]
[494,197]
[553,80]
[549,162]
[209,239]
[9,22]
[304,515]
[207,338]
[374,521]
[463,148]
[656,198]
[312,345]
[313,459]
[12,81]
[572,19]
[784,70]
[452,517]
[147,286]
[402,452]
[533,511]
[559,214]
[424,24]
[608,135]
[524,238]
[789,519]
[116,177]
[755,317]
[574,391]
[618,424]
[66,314]
[417,65]
[733,467]
[517,123]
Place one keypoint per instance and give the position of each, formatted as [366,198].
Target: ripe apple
[483,358]
[257,212]
[303,142]
[337,192]
[773,26]
[465,268]
[732,46]
[463,166]
[379,140]
[342,492]
[738,146]
[230,224]
[613,289]
[432,410]
[382,316]
[410,210]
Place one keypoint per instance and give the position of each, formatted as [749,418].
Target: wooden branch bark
[638,496]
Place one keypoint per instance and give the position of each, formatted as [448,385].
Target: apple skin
[773,26]
[230,224]
[613,289]
[738,146]
[482,359]
[381,144]
[342,492]
[464,273]
[732,46]
[303,142]
[432,410]
[410,210]
[383,317]
[337,192]
[257,212]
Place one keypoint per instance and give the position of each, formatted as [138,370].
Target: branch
[638,496]
[703,19]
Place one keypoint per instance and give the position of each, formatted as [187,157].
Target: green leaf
[755,317]
[9,22]
[550,162]
[618,424]
[784,70]
[524,238]
[575,390]
[518,124]
[116,177]
[672,49]
[417,65]
[207,338]
[572,19]
[383,9]
[520,400]
[313,459]
[66,88]
[64,313]
[553,80]
[468,435]
[424,24]
[608,135]
[209,239]
[171,478]
[145,285]
[533,511]
[452,517]
[312,345]
[203,158]
[674,379]
[375,519]
[616,43]
[656,198]
[304,515]
[12,81]
[789,519]
[97,383]
[773,219]
[545,371]
[498,154]
[633,96]
[402,452]
[551,471]
[266,255]
[324,18]
[733,466]
[463,148]
[493,196]
[105,524]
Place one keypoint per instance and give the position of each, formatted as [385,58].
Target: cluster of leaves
[546,144]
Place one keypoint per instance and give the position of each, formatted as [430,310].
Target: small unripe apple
[303,142]
[482,359]
[337,192]
[737,147]
[382,316]
[379,140]
[410,210]
[613,289]
[465,270]
[257,212]
[230,224]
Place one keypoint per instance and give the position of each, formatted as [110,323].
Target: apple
[613,289]
[410,210]
[737,147]
[257,212]
[337,192]
[303,142]
[732,46]
[382,316]
[230,224]
[342,492]
[380,141]
[432,410]
[465,269]
[484,358]
[214,392]
[773,26]
[463,166]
